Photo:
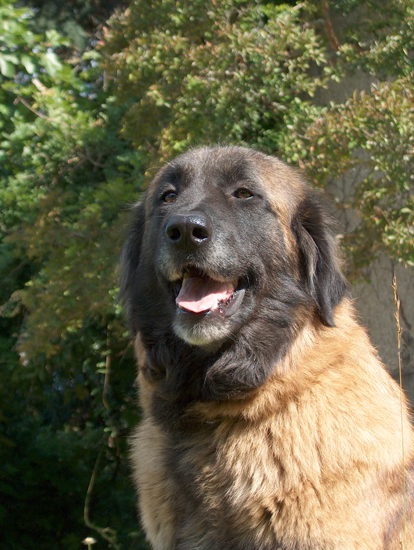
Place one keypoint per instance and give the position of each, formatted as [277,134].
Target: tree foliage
[207,72]
[81,126]
[372,132]
[65,184]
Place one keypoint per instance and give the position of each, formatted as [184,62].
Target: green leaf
[51,63]
[6,67]
[29,64]
[53,36]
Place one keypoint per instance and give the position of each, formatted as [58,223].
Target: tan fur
[312,459]
[297,456]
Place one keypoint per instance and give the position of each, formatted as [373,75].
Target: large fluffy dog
[268,420]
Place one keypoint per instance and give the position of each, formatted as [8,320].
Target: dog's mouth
[200,293]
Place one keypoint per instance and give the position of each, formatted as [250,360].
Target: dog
[268,420]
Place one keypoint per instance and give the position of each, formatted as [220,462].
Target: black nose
[188,230]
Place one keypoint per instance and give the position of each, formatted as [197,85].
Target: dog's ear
[319,258]
[130,256]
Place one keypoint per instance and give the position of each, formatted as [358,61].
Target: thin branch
[37,113]
[107,533]
[89,493]
[21,264]
[334,42]
[399,331]
[81,235]
[106,381]
[94,162]
[112,439]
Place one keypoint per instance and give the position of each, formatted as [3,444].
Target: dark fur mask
[239,225]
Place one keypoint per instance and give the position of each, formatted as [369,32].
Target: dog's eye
[169,196]
[243,193]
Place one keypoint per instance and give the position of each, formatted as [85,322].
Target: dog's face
[214,236]
[228,245]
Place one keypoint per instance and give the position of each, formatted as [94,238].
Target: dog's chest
[236,485]
[232,489]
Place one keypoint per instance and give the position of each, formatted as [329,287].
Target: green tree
[77,20]
[211,72]
[372,132]
[66,179]
[247,72]
[79,126]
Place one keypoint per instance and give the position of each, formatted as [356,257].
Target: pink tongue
[201,294]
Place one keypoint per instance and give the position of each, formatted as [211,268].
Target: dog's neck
[199,394]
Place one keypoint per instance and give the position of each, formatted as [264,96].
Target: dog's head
[228,246]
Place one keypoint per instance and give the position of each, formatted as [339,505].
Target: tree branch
[107,533]
[37,113]
[334,42]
